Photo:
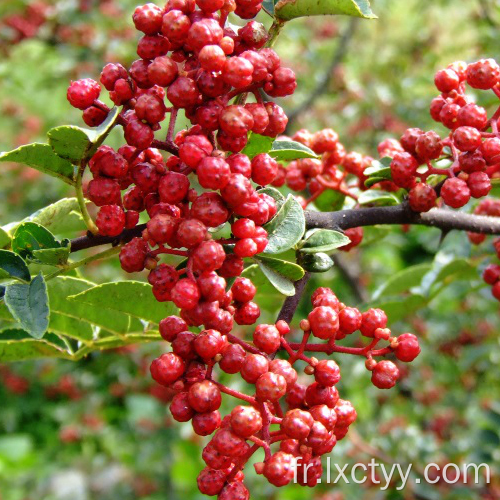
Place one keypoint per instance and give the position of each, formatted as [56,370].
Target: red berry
[206,423]
[446,80]
[422,197]
[253,367]
[403,169]
[246,421]
[483,74]
[267,338]
[349,320]
[148,18]
[204,396]
[270,387]
[133,255]
[408,348]
[180,409]
[110,220]
[167,368]
[247,314]
[185,294]
[491,274]
[279,470]
[82,93]
[371,320]
[324,322]
[385,374]
[467,138]
[455,192]
[479,184]
[327,372]
[232,359]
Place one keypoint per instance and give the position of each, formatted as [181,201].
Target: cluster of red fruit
[491,274]
[188,55]
[337,170]
[22,25]
[471,151]
[308,418]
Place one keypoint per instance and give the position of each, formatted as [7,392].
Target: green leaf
[76,143]
[403,280]
[30,236]
[113,321]
[268,6]
[274,193]
[17,345]
[329,201]
[69,142]
[42,158]
[29,305]
[290,150]
[130,297]
[53,256]
[14,266]
[378,171]
[379,167]
[398,308]
[4,238]
[291,9]
[287,269]
[257,144]
[378,197]
[280,273]
[60,217]
[315,262]
[286,228]
[323,240]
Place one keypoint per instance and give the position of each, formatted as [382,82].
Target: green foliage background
[99,430]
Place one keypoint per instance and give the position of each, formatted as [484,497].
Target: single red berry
[167,368]
[82,93]
[446,80]
[267,338]
[247,314]
[346,414]
[211,481]
[110,220]
[479,184]
[408,348]
[455,192]
[422,197]
[483,74]
[206,423]
[232,359]
[327,372]
[467,138]
[491,274]
[148,18]
[204,396]
[371,320]
[270,387]
[185,294]
[385,374]
[246,421]
[403,169]
[133,255]
[428,146]
[349,320]
[324,322]
[253,367]
[180,408]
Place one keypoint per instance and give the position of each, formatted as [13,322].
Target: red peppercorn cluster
[294,421]
[491,274]
[189,56]
[470,152]
[24,24]
[337,170]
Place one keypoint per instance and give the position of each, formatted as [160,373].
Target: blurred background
[99,429]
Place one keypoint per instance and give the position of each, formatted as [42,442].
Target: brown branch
[443,219]
[90,241]
[291,303]
[401,214]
